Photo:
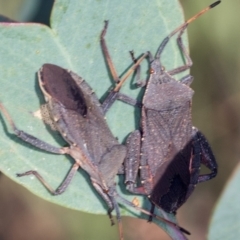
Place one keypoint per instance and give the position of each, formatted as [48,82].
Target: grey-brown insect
[77,115]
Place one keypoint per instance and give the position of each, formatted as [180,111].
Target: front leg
[114,93]
[185,54]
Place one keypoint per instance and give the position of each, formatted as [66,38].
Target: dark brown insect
[168,151]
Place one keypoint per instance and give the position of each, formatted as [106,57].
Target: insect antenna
[183,27]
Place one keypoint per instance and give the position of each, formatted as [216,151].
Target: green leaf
[72,42]
[226,220]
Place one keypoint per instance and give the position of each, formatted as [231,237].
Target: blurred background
[214,41]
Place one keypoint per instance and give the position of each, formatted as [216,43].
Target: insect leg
[29,138]
[63,185]
[132,162]
[106,198]
[185,53]
[182,27]
[114,94]
[174,225]
[195,164]
[181,30]
[131,101]
[151,211]
[139,82]
[138,71]
[207,158]
[118,215]
[107,55]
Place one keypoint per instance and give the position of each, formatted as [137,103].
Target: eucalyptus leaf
[72,42]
